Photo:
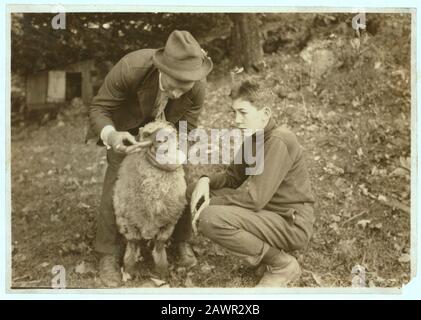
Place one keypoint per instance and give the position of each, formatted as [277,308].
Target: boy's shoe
[280,277]
[109,271]
[186,255]
[260,270]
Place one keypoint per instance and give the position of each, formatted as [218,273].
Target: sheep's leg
[159,255]
[165,233]
[131,257]
[159,252]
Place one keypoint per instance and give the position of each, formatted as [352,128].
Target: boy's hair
[249,90]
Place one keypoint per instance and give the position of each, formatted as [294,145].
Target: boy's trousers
[250,234]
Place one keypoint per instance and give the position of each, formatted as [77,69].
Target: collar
[271,125]
[267,131]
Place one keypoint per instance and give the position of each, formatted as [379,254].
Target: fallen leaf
[382,198]
[400,172]
[40,175]
[219,251]
[158,282]
[39,149]
[330,195]
[318,279]
[363,223]
[82,205]
[81,268]
[332,169]
[19,257]
[334,226]
[377,226]
[397,246]
[26,209]
[200,250]
[54,218]
[335,217]
[340,183]
[404,258]
[84,267]
[363,189]
[207,268]
[181,270]
[405,162]
[374,171]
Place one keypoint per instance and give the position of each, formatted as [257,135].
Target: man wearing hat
[166,83]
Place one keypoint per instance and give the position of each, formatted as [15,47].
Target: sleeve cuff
[105,133]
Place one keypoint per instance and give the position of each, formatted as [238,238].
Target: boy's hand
[200,191]
[196,215]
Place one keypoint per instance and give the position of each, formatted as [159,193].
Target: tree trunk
[246,41]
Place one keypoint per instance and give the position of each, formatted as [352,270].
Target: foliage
[106,36]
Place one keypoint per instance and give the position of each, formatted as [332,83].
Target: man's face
[247,116]
[173,88]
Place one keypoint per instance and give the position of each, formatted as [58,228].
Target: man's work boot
[186,257]
[109,271]
[276,277]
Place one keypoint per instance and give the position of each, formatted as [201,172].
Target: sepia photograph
[210,149]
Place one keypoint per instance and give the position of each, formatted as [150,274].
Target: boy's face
[247,116]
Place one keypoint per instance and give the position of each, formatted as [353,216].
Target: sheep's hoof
[131,270]
[162,270]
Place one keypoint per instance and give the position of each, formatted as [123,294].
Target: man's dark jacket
[127,97]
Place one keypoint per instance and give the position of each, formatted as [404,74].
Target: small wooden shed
[51,88]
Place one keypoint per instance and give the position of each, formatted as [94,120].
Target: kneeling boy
[260,217]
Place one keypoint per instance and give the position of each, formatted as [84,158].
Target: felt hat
[182,58]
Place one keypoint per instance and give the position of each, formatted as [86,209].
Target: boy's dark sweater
[284,182]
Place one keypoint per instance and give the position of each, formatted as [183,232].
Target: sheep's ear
[141,134]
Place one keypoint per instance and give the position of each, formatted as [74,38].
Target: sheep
[148,200]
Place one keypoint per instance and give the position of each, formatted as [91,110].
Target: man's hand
[124,142]
[200,191]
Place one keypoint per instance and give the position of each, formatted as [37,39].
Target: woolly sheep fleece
[148,201]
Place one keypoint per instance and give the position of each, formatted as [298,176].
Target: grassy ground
[354,123]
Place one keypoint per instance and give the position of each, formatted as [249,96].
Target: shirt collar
[270,126]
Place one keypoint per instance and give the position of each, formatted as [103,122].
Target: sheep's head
[163,151]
